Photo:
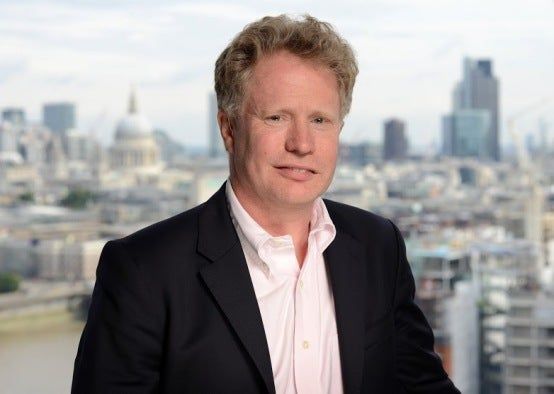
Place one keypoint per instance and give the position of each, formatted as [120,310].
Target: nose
[300,139]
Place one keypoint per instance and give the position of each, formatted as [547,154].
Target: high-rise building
[499,269]
[478,89]
[16,116]
[465,133]
[395,145]
[59,117]
[8,138]
[215,142]
[529,342]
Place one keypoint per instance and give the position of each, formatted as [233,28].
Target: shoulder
[161,244]
[178,228]
[358,222]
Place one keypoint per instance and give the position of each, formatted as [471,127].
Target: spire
[132,102]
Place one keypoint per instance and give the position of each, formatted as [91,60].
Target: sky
[410,55]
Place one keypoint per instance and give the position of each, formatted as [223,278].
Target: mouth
[297,169]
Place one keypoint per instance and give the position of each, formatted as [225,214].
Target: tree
[78,198]
[27,197]
[9,282]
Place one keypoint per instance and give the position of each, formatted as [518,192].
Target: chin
[299,197]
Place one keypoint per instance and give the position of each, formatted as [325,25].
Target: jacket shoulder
[180,229]
[358,222]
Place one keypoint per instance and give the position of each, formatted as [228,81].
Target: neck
[278,220]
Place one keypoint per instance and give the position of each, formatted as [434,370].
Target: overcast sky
[409,51]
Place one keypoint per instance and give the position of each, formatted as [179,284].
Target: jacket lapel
[346,266]
[229,281]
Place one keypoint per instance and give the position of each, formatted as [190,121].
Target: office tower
[215,142]
[395,145]
[59,117]
[465,133]
[8,138]
[16,116]
[479,90]
[529,342]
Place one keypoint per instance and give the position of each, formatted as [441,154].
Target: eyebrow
[257,110]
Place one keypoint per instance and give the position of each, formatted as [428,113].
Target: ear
[226,130]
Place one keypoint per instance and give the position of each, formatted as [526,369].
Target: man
[265,287]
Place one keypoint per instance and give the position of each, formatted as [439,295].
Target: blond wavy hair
[308,38]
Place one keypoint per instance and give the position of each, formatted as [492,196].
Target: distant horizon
[506,147]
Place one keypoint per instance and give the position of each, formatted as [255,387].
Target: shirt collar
[322,229]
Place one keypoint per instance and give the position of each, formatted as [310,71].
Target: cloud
[12,67]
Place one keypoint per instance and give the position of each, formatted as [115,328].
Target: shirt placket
[306,338]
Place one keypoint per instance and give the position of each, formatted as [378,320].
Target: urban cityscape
[479,227]
[476,213]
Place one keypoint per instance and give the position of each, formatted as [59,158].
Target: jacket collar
[229,282]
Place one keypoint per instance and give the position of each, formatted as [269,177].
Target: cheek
[265,149]
[329,150]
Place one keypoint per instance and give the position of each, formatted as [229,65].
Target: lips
[296,173]
[299,169]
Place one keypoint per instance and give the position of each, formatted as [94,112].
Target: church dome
[133,124]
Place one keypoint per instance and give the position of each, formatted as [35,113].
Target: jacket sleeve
[418,368]
[121,345]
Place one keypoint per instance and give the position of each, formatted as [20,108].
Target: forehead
[283,75]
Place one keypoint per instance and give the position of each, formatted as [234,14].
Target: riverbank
[39,322]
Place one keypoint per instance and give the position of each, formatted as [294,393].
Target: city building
[359,154]
[437,270]
[8,137]
[499,269]
[170,150]
[59,117]
[529,364]
[395,142]
[16,116]
[461,315]
[215,142]
[80,146]
[478,89]
[134,148]
[465,133]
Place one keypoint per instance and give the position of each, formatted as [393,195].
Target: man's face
[283,148]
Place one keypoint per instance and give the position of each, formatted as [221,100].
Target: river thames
[38,358]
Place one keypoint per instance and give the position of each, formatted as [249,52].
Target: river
[39,359]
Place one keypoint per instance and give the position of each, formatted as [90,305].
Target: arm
[121,345]
[418,368]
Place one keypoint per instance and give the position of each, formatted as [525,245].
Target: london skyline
[410,56]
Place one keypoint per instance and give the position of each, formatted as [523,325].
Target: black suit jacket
[174,311]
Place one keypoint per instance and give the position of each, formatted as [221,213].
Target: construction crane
[522,155]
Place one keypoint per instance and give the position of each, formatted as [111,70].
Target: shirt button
[301,284]
[305,344]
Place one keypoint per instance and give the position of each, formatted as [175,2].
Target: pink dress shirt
[296,303]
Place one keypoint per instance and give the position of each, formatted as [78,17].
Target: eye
[274,118]
[319,120]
